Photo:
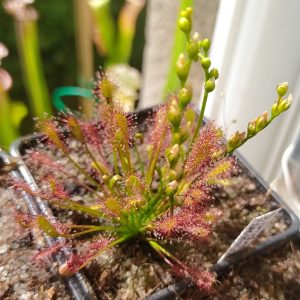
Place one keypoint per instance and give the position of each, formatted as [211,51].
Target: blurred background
[63,43]
[255,45]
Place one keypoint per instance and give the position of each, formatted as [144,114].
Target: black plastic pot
[80,287]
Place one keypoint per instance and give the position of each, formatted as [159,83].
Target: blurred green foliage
[57,46]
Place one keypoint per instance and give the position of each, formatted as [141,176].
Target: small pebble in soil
[4,248]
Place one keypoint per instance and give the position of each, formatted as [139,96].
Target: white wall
[256,44]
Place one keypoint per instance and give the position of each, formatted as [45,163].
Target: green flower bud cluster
[281,104]
[205,63]
[209,85]
[174,115]
[185,96]
[183,63]
[173,154]
[205,45]
[182,67]
[280,107]
[172,188]
[210,75]
[193,47]
[236,140]
[282,89]
[179,134]
[185,20]
[262,121]
[214,73]
[257,124]
[172,175]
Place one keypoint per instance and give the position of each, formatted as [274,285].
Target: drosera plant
[152,185]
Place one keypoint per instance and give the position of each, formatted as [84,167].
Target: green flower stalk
[84,48]
[172,82]
[126,28]
[262,121]
[114,44]
[104,26]
[9,133]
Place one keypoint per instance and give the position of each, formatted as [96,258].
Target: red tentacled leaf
[44,254]
[203,279]
[77,261]
[207,148]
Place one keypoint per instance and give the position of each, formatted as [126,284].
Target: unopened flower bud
[284,105]
[196,37]
[189,10]
[187,13]
[236,140]
[205,44]
[214,73]
[176,138]
[172,175]
[174,116]
[282,89]
[174,151]
[261,121]
[173,154]
[205,62]
[280,106]
[182,67]
[251,129]
[184,25]
[171,188]
[184,14]
[184,135]
[173,101]
[288,102]
[274,110]
[209,86]
[189,124]
[192,49]
[190,115]
[185,96]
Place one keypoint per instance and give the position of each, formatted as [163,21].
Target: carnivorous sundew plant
[152,183]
